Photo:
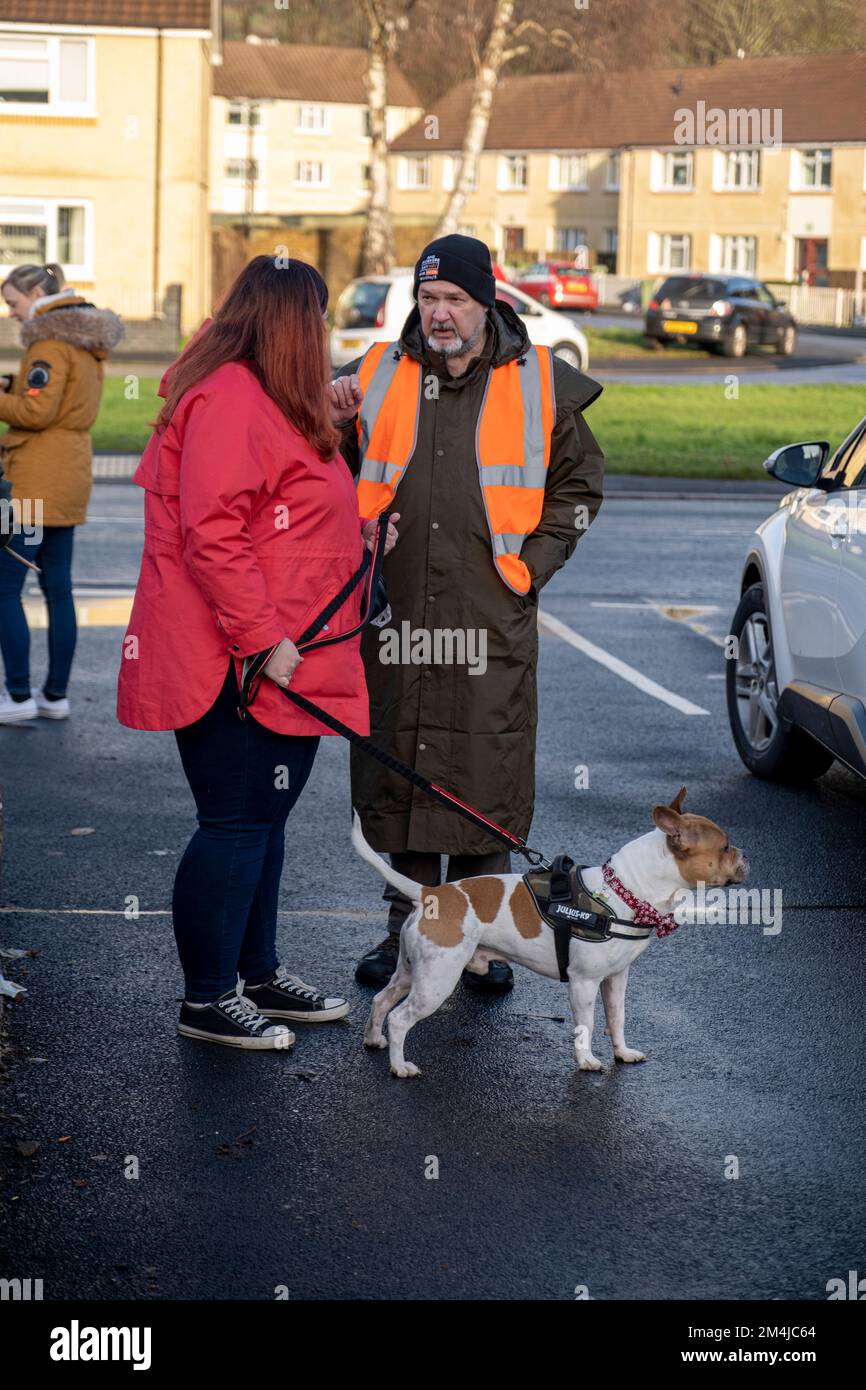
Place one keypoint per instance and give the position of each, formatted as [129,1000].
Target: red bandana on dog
[645,915]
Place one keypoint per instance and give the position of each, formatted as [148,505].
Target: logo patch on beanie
[429,268]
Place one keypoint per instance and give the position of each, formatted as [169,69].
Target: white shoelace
[243,1012]
[292,985]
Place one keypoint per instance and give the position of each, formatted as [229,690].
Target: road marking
[166,912]
[686,614]
[93,612]
[619,668]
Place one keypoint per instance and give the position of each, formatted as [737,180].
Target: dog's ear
[670,823]
[677,803]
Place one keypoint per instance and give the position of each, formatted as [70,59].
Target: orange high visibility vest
[512,443]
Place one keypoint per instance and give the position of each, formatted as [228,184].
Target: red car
[559,284]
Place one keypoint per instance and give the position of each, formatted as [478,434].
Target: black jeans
[427,869]
[245,780]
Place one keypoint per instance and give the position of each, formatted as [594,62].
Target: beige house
[754,165]
[104,110]
[289,132]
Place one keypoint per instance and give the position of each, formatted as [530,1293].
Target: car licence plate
[575,286]
[679,326]
[351,342]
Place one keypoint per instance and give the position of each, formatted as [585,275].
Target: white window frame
[303,129]
[722,162]
[798,182]
[659,249]
[557,184]
[557,232]
[413,162]
[662,170]
[54,106]
[736,242]
[323,182]
[449,173]
[245,108]
[42,212]
[611,179]
[507,164]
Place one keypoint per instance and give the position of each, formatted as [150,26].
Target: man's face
[451,321]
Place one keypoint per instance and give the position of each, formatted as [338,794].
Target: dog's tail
[407,886]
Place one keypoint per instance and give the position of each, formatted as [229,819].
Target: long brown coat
[53,403]
[474,734]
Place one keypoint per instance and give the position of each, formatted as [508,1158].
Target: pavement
[169,1169]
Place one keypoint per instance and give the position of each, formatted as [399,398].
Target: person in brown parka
[50,406]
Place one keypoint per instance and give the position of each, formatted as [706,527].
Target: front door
[812,260]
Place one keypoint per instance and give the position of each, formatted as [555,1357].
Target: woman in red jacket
[251,526]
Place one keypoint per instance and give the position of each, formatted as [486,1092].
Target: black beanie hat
[464,261]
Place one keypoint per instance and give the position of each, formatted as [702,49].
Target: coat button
[440,453]
[435,525]
[422,747]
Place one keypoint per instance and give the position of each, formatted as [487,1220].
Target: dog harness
[512,443]
[566,904]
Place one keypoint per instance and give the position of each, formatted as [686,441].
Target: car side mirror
[798,465]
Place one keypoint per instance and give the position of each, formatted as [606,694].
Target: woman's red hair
[271,319]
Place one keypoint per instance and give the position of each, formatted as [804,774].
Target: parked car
[558,283]
[725,313]
[373,309]
[629,300]
[796,688]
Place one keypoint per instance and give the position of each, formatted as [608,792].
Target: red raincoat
[247,535]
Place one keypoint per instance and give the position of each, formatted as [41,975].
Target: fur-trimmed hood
[72,319]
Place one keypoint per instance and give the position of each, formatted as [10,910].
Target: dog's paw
[590,1063]
[379,1042]
[405,1069]
[629,1054]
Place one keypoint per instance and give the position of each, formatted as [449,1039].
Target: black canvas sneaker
[285,996]
[234,1021]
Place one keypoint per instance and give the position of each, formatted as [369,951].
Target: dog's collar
[645,915]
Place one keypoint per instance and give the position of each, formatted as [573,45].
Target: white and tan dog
[495,918]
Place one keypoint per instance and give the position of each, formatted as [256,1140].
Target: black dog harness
[567,905]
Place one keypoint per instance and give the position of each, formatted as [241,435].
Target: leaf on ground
[79,1182]
[64,1139]
[84,830]
[14,952]
[28,1147]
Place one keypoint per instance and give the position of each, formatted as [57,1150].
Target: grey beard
[458,346]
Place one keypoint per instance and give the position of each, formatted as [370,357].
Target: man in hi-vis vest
[478,440]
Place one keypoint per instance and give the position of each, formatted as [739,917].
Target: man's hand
[284,662]
[346,396]
[368,531]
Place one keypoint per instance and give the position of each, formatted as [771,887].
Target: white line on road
[619,668]
[166,912]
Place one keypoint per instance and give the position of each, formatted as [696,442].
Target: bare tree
[711,30]
[377,255]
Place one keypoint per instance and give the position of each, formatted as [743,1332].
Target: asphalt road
[307,1169]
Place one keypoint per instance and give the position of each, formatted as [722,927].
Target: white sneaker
[49,709]
[12,712]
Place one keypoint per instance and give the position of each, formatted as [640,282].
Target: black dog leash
[252,673]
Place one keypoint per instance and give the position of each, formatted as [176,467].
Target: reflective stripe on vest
[512,444]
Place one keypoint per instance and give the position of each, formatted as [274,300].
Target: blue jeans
[53,555]
[245,780]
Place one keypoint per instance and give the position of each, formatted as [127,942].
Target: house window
[46,75]
[741,169]
[739,254]
[513,171]
[611,241]
[611,180]
[366,129]
[312,172]
[569,171]
[450,173]
[568,238]
[672,170]
[670,251]
[242,169]
[48,229]
[415,171]
[313,119]
[816,168]
[245,113]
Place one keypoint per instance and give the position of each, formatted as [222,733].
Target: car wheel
[544,299]
[569,353]
[736,341]
[788,341]
[769,746]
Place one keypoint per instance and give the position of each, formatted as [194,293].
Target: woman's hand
[369,528]
[283,664]
[345,396]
